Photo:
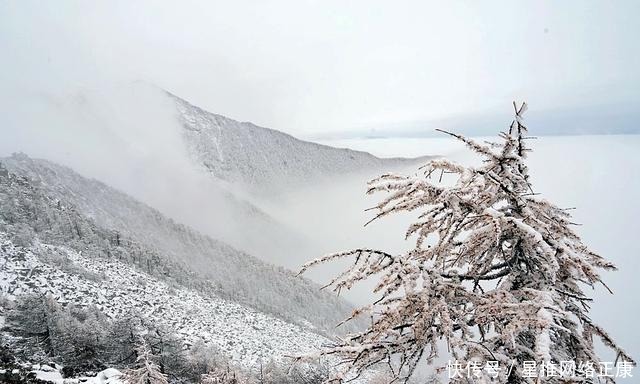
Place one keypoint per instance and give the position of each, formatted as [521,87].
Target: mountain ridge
[265,159]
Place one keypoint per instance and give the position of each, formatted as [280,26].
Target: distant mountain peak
[264,158]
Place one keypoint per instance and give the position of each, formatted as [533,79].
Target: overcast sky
[313,68]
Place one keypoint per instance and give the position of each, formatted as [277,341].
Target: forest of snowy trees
[37,328]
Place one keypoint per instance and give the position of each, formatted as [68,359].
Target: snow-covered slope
[209,210]
[62,208]
[243,334]
[262,158]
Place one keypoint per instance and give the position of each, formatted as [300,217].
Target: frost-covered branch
[496,272]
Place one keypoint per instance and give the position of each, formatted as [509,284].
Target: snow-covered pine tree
[496,273]
[221,375]
[146,371]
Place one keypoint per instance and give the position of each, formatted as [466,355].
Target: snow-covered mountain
[90,247]
[217,175]
[265,159]
[44,201]
[116,210]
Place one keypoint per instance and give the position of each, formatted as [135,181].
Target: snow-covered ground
[243,334]
[53,375]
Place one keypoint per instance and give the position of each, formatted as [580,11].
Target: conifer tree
[496,275]
[146,371]
[223,375]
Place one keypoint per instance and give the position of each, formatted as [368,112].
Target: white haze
[127,136]
[328,66]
